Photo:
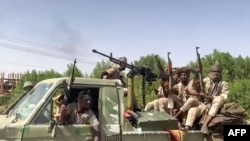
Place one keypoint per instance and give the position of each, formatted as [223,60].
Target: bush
[4,99]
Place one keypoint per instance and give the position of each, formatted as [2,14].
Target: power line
[48,47]
[20,64]
[67,53]
[35,66]
[52,55]
[8,38]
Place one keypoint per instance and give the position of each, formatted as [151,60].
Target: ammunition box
[156,121]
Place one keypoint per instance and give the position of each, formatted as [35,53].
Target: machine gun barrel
[112,59]
[136,70]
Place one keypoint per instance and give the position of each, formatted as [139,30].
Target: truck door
[38,128]
[73,132]
[43,125]
[109,113]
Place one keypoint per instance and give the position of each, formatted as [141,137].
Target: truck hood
[4,121]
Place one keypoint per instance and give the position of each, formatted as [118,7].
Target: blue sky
[131,28]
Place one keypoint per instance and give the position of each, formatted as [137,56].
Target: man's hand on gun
[201,94]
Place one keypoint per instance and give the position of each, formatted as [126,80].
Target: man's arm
[104,75]
[192,91]
[223,94]
[96,132]
[67,113]
[108,73]
[190,88]
[95,127]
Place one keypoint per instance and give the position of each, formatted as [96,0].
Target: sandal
[204,129]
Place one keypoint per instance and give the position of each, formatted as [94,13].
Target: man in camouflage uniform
[177,95]
[216,92]
[80,113]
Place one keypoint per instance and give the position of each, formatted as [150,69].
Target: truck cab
[32,118]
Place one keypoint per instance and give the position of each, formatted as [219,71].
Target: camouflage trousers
[159,104]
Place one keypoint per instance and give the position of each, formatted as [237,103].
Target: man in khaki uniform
[178,96]
[116,72]
[193,90]
[193,100]
[159,104]
[216,92]
[193,103]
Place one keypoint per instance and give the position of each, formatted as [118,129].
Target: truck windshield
[26,106]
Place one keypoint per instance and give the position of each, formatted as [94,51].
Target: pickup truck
[32,116]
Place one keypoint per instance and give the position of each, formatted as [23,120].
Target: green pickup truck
[32,116]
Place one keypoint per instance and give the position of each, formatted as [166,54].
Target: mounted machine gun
[146,73]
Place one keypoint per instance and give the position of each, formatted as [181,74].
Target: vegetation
[235,71]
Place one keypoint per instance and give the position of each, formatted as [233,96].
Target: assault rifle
[67,89]
[204,98]
[170,71]
[200,70]
[146,73]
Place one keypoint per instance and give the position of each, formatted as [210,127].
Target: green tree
[86,75]
[148,61]
[242,67]
[99,68]
[35,77]
[240,93]
[225,59]
[69,70]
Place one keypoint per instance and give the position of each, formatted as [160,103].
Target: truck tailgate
[193,135]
